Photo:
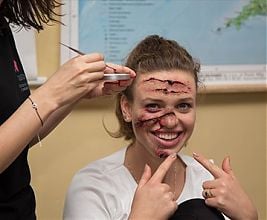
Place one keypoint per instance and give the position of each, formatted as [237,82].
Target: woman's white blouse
[104,189]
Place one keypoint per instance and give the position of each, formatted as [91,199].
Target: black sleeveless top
[16,195]
[196,209]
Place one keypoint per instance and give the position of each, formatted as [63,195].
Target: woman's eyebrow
[187,99]
[152,99]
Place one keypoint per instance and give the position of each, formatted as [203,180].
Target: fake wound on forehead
[167,86]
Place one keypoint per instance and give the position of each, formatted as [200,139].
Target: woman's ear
[126,109]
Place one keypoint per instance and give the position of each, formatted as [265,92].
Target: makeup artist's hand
[75,78]
[154,199]
[81,77]
[225,192]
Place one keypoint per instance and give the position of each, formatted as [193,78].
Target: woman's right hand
[154,199]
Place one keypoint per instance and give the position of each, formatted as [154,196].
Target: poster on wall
[228,37]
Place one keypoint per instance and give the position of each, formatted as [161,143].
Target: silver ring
[207,193]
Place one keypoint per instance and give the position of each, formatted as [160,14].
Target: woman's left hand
[225,192]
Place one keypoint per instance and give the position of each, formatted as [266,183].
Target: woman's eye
[152,107]
[184,107]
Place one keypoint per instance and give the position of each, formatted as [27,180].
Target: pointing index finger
[211,167]
[160,173]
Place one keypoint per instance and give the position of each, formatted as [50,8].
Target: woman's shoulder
[101,169]
[102,186]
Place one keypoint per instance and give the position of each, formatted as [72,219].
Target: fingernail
[211,160]
[174,155]
[195,154]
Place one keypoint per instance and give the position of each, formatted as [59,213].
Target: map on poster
[230,52]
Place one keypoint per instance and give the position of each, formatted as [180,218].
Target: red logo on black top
[16,67]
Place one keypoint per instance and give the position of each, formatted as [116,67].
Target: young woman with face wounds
[150,178]
[25,116]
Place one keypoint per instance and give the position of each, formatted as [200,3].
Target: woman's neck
[137,157]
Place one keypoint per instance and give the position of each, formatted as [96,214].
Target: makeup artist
[151,177]
[26,118]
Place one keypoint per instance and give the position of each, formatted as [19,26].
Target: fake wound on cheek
[146,121]
[152,119]
[166,86]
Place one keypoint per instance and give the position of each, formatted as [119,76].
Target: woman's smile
[167,139]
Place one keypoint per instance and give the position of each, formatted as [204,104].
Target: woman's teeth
[167,136]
